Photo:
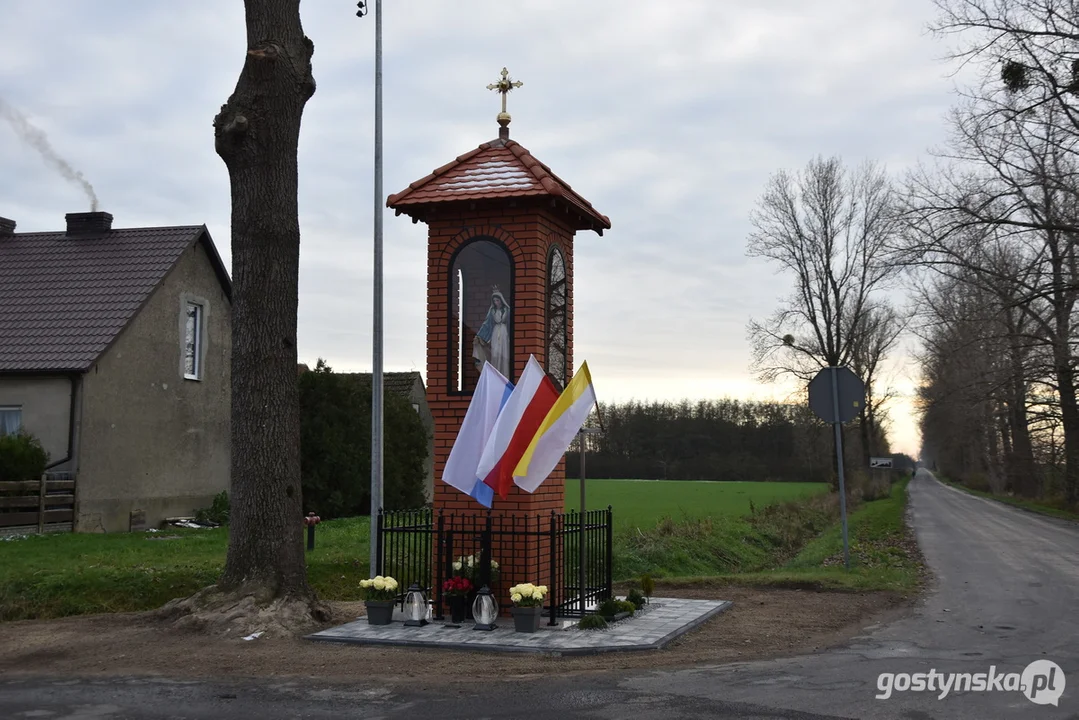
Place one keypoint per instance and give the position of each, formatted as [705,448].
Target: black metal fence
[427,547]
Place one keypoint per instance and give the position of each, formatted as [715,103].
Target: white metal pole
[839,459]
[376,365]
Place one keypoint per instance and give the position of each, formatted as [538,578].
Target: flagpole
[377,414]
[580,542]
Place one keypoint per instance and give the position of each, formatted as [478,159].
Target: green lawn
[72,574]
[641,503]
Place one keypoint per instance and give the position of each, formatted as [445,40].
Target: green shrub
[626,606]
[636,598]
[609,607]
[648,585]
[22,457]
[218,512]
[335,446]
[592,622]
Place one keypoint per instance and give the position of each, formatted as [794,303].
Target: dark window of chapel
[556,317]
[480,313]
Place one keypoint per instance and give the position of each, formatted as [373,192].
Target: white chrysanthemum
[527,588]
[516,597]
[378,577]
[543,589]
[380,584]
[537,594]
[391,584]
[494,565]
[457,565]
[365,583]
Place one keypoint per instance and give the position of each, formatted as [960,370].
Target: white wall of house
[44,406]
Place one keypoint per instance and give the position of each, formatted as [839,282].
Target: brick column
[527,235]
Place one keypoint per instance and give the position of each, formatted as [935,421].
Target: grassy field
[642,503]
[699,529]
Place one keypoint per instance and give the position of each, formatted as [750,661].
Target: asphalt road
[1006,594]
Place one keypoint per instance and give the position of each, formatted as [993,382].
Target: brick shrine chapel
[500,223]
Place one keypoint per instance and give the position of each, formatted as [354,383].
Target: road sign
[851,395]
[836,395]
[884,463]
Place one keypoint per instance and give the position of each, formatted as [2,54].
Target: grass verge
[1040,507]
[789,545]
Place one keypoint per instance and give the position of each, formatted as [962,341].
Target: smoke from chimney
[36,138]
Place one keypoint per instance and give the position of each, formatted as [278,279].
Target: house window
[193,319]
[10,420]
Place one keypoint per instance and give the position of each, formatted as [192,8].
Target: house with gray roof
[115,351]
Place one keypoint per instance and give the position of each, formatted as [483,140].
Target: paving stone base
[650,629]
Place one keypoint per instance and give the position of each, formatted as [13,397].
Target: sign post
[881,463]
[836,395]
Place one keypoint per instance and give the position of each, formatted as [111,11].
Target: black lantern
[485,610]
[415,607]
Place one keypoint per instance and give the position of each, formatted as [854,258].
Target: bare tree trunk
[1069,418]
[257,135]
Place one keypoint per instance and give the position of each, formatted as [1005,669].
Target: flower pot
[527,619]
[379,612]
[458,608]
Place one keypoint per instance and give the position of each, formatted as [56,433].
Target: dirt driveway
[762,623]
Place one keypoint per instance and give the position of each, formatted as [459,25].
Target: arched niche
[480,312]
[556,316]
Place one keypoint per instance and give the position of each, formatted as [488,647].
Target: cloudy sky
[668,116]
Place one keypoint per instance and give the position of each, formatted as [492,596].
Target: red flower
[457,586]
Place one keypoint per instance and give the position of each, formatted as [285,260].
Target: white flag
[490,395]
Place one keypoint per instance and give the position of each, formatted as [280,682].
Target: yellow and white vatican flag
[555,434]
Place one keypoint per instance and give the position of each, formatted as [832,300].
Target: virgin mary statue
[492,343]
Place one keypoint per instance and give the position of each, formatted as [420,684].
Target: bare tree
[1002,213]
[1026,50]
[257,135]
[876,336]
[829,227]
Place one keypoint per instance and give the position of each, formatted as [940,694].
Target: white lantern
[485,610]
[415,607]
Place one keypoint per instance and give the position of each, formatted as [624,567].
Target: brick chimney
[88,223]
[7,227]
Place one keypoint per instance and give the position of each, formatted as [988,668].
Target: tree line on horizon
[724,439]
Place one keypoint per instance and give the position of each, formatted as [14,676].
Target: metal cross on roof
[504,86]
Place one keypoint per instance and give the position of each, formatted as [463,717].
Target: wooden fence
[45,505]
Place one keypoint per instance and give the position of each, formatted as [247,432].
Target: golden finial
[504,86]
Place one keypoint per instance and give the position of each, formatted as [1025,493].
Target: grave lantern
[485,610]
[415,607]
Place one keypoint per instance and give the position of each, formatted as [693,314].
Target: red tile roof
[496,169]
[63,299]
